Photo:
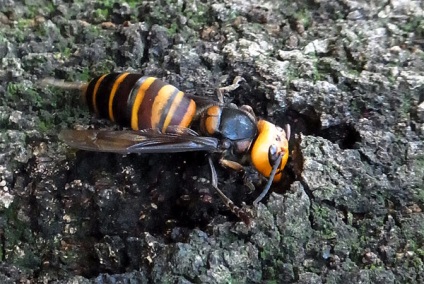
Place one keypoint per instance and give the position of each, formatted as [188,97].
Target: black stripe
[103,94]
[132,96]
[146,107]
[181,111]
[165,110]
[89,93]
[120,101]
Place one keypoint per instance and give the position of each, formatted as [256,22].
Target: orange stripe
[188,116]
[159,103]
[96,88]
[212,120]
[115,87]
[138,100]
[172,109]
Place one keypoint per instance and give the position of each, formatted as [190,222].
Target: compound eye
[273,154]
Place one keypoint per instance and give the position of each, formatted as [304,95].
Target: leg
[249,111]
[242,213]
[231,165]
[237,167]
[236,83]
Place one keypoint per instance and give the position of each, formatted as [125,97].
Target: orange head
[272,141]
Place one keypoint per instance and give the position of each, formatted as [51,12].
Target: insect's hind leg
[236,83]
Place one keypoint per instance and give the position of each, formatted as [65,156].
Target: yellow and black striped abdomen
[139,102]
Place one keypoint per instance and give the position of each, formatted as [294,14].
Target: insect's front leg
[243,213]
[228,164]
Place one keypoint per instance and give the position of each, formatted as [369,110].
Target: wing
[145,141]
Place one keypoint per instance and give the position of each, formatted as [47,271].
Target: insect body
[139,102]
[159,116]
